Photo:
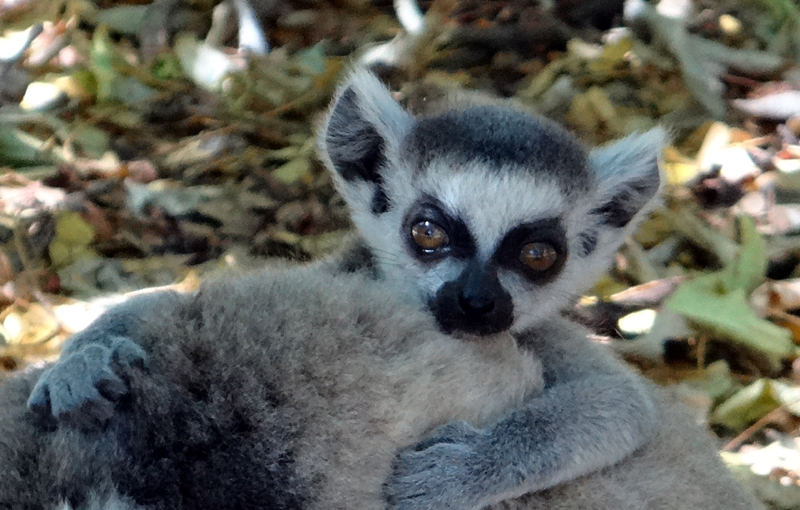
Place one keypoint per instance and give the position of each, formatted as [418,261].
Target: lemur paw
[83,386]
[452,469]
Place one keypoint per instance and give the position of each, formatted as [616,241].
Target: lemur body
[299,377]
[488,218]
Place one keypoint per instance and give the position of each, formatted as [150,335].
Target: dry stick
[762,422]
[702,348]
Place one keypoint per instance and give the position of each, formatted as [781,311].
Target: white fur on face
[491,201]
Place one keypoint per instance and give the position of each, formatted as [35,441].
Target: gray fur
[83,387]
[461,136]
[593,413]
[678,469]
[106,500]
[299,377]
[303,359]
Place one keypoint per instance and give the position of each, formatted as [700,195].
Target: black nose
[475,305]
[475,302]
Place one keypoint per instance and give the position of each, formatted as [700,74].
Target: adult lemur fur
[488,218]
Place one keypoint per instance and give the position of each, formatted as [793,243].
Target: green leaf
[94,141]
[293,171]
[755,401]
[311,60]
[72,240]
[746,406]
[125,19]
[748,269]
[19,148]
[715,381]
[72,229]
[109,69]
[167,66]
[717,302]
[102,64]
[706,302]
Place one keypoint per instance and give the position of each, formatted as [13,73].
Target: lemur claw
[83,385]
[445,471]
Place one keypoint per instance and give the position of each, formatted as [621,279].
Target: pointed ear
[362,126]
[628,177]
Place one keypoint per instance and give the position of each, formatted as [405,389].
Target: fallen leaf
[771,472]
[778,106]
[748,270]
[754,401]
[717,302]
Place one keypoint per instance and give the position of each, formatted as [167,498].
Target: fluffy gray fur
[310,379]
[490,170]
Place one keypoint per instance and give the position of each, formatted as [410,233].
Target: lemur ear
[628,176]
[362,126]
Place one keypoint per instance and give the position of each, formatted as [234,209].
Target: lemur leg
[83,385]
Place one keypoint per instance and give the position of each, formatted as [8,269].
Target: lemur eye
[428,235]
[538,256]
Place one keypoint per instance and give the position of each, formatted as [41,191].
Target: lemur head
[491,217]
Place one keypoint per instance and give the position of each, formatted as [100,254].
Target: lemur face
[491,217]
[474,263]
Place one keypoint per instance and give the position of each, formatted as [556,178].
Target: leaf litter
[148,144]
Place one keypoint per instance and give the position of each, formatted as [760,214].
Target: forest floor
[152,143]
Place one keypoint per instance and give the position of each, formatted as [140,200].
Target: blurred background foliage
[147,143]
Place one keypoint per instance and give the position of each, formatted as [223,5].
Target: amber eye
[428,235]
[538,256]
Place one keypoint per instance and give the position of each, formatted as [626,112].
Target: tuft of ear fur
[628,177]
[363,125]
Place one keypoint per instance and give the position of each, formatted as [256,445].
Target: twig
[702,350]
[762,422]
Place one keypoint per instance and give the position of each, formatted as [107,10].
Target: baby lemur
[487,219]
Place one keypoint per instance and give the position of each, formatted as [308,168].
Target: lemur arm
[592,413]
[82,386]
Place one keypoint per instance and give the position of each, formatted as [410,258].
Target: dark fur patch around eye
[547,231]
[460,244]
[588,241]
